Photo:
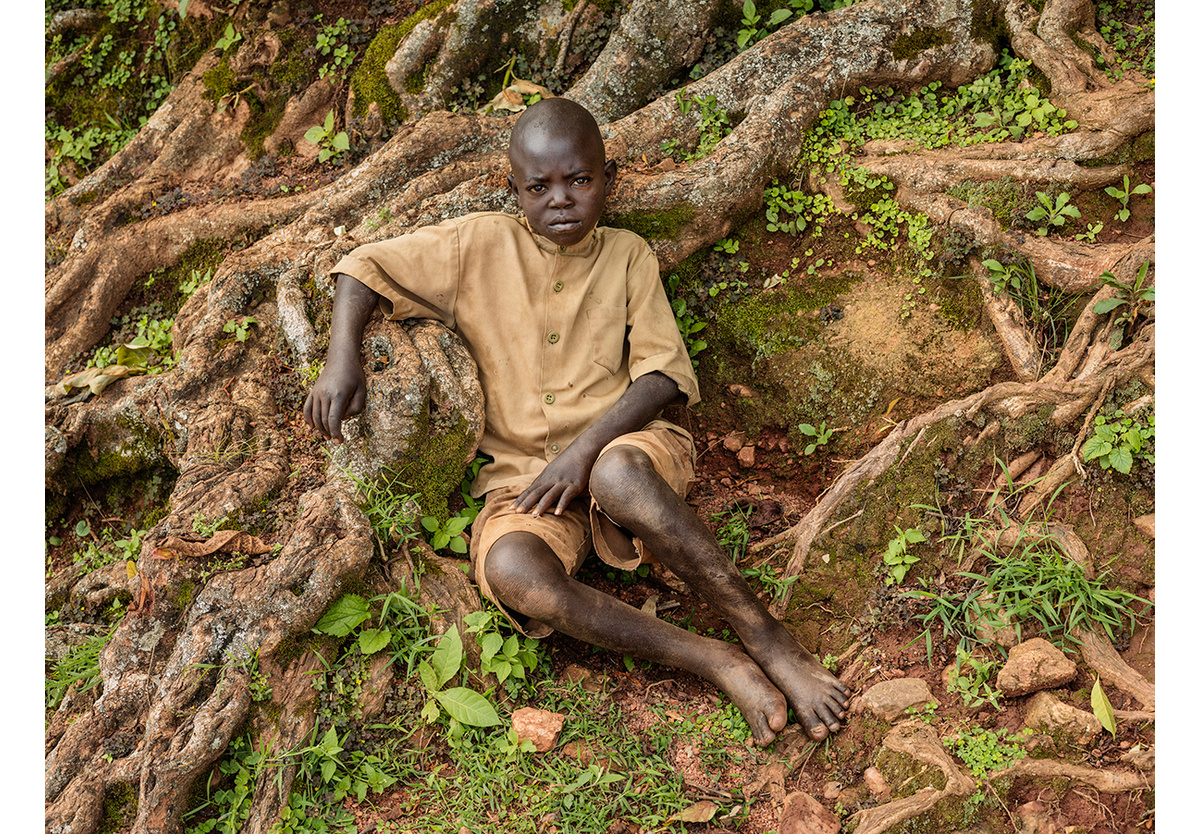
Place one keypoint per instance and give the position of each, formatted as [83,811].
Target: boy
[578,353]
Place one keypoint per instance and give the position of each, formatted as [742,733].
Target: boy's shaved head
[558,171]
[558,117]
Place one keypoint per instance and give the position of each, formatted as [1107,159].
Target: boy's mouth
[563,225]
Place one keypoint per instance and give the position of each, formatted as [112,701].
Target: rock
[734,441]
[1036,819]
[831,790]
[1145,524]
[743,391]
[1032,666]
[1142,759]
[1050,715]
[745,456]
[890,699]
[876,784]
[539,726]
[804,815]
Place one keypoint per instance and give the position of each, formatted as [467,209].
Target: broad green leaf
[468,707]
[1103,710]
[341,141]
[1094,448]
[1121,459]
[428,677]
[1107,305]
[373,640]
[314,134]
[490,644]
[431,711]
[344,616]
[447,658]
[183,4]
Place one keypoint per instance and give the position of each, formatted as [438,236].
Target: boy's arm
[567,475]
[341,389]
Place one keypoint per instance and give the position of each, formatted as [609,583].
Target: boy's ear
[512,185]
[610,176]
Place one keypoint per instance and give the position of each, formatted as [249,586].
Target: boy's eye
[536,189]
[582,180]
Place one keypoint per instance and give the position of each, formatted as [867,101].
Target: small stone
[1145,524]
[831,790]
[734,441]
[539,726]
[1032,666]
[890,699]
[745,456]
[876,784]
[1061,721]
[804,815]
[743,391]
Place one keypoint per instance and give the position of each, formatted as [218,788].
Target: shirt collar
[583,248]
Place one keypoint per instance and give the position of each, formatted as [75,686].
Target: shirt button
[552,338]
[562,249]
[548,399]
[558,286]
[554,448]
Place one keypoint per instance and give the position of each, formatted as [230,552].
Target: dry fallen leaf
[702,811]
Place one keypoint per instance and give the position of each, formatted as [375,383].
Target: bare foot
[818,699]
[762,704]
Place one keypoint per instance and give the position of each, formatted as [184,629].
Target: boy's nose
[560,196]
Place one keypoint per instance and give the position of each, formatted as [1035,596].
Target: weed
[228,39]
[1117,439]
[820,437]
[1033,583]
[329,44]
[1134,297]
[1093,230]
[504,653]
[970,678]
[687,324]
[714,126]
[240,328]
[772,584]
[733,531]
[448,533]
[227,808]
[1053,211]
[331,142]
[1123,194]
[464,706]
[984,751]
[897,557]
[391,509]
[81,665]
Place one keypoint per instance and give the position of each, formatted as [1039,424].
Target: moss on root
[653,225]
[914,43]
[370,82]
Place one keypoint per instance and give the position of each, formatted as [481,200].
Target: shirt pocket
[607,326]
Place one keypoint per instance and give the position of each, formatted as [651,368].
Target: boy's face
[561,184]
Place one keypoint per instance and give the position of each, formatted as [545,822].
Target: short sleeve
[416,274]
[654,340]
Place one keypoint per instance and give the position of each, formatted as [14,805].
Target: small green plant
[464,706]
[1122,194]
[240,328]
[1134,297]
[714,126]
[504,653]
[819,436]
[332,143]
[329,44]
[448,534]
[897,557]
[971,678]
[984,751]
[196,280]
[228,807]
[1093,230]
[81,665]
[733,532]
[1054,212]
[771,583]
[751,33]
[688,324]
[1117,439]
[228,39]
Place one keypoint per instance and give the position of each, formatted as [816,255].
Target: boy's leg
[630,491]
[526,575]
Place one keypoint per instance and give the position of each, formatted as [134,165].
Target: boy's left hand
[563,479]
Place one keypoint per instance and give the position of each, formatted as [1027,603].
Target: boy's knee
[523,572]
[617,470]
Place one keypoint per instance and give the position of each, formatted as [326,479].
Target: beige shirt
[559,333]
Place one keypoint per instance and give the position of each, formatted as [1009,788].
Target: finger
[335,420]
[308,410]
[569,493]
[548,498]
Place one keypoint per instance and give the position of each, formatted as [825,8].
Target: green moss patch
[653,225]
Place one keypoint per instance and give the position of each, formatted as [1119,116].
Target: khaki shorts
[582,525]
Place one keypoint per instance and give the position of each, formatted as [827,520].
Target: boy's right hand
[340,392]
